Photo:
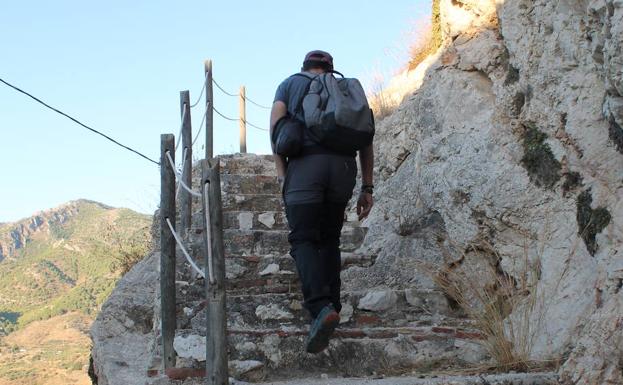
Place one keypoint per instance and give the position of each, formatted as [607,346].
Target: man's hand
[364,205]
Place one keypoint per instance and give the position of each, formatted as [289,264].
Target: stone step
[190,376]
[262,275]
[246,220]
[241,164]
[243,202]
[265,267]
[249,184]
[253,274]
[250,220]
[352,351]
[361,309]
[256,242]
[543,378]
[352,233]
[252,202]
[269,242]
[244,164]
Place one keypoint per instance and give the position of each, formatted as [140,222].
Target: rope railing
[254,126]
[239,119]
[178,176]
[200,93]
[183,168]
[256,103]
[223,90]
[180,182]
[179,136]
[225,116]
[203,119]
[179,242]
[244,96]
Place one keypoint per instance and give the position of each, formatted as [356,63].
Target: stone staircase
[386,332]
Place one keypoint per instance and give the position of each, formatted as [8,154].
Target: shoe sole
[320,341]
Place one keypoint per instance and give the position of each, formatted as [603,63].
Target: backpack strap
[299,106]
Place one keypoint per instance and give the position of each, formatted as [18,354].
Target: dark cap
[319,57]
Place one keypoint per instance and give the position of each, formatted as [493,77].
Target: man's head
[318,61]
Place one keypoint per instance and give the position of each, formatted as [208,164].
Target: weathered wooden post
[243,120]
[187,140]
[209,111]
[216,339]
[167,250]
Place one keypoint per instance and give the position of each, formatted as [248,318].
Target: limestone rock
[122,333]
[267,219]
[378,300]
[498,144]
[413,299]
[346,313]
[242,369]
[245,220]
[233,270]
[272,312]
[190,346]
[272,268]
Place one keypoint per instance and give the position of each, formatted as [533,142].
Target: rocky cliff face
[513,140]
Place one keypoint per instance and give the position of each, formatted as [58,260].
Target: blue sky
[119,66]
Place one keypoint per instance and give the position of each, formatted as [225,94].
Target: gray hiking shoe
[321,329]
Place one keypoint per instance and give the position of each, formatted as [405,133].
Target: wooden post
[167,250]
[185,197]
[209,111]
[243,120]
[216,339]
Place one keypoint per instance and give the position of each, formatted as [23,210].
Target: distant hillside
[59,262]
[64,259]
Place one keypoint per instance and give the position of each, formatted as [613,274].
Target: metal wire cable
[79,122]
[222,89]
[179,178]
[181,245]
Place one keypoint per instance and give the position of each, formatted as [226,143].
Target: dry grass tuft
[422,45]
[423,40]
[426,38]
[379,102]
[488,297]
[128,249]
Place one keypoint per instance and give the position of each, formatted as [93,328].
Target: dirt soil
[51,352]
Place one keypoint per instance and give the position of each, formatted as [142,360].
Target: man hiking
[317,184]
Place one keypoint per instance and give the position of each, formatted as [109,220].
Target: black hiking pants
[316,190]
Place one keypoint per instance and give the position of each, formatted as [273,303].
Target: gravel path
[500,379]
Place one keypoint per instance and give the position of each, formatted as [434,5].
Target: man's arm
[365,201]
[278,111]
